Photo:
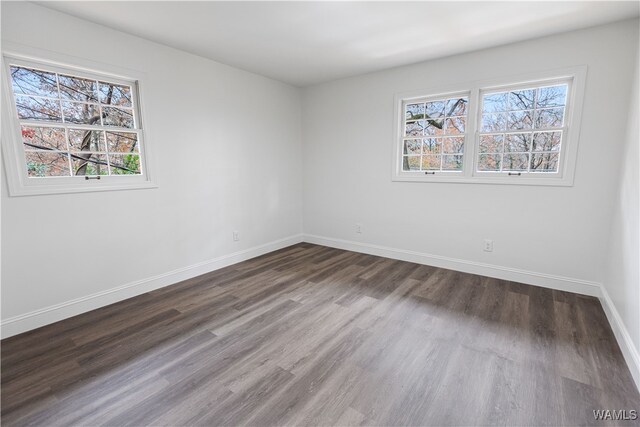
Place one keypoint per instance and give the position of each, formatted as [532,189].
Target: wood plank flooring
[310,335]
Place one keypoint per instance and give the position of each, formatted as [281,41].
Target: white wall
[227,149]
[557,232]
[622,280]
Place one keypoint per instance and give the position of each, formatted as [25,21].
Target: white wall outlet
[488,245]
[358,228]
[236,236]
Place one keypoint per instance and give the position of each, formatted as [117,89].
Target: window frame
[432,98]
[19,183]
[575,77]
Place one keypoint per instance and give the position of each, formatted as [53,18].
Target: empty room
[263,213]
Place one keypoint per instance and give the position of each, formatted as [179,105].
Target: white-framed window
[67,128]
[507,131]
[433,133]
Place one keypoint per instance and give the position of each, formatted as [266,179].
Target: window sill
[37,190]
[507,180]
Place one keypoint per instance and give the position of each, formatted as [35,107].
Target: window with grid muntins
[76,126]
[521,130]
[434,133]
[495,131]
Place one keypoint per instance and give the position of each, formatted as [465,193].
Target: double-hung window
[513,133]
[522,128]
[434,133]
[71,130]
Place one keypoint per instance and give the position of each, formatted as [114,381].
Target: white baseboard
[507,273]
[515,275]
[625,342]
[35,319]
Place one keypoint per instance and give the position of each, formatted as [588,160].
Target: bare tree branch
[78,157]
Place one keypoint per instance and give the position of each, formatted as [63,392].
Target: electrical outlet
[236,236]
[358,228]
[488,245]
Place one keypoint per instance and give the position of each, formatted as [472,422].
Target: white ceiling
[304,43]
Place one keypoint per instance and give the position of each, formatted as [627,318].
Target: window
[521,129]
[434,133]
[73,130]
[515,133]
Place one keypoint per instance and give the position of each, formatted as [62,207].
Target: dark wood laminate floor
[310,335]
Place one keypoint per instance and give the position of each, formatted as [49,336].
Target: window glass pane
[455,125]
[435,109]
[493,122]
[521,99]
[431,162]
[46,163]
[125,164]
[411,163]
[80,113]
[86,140]
[78,89]
[414,112]
[544,162]
[113,94]
[452,162]
[127,142]
[453,145]
[33,82]
[517,142]
[549,118]
[89,164]
[414,128]
[547,141]
[30,108]
[515,162]
[519,120]
[432,146]
[494,103]
[489,162]
[491,143]
[411,146]
[457,106]
[43,138]
[552,96]
[121,117]
[434,127]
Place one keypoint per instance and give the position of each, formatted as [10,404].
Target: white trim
[45,316]
[622,335]
[551,281]
[71,189]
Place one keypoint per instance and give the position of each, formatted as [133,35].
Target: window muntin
[71,125]
[521,129]
[434,133]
